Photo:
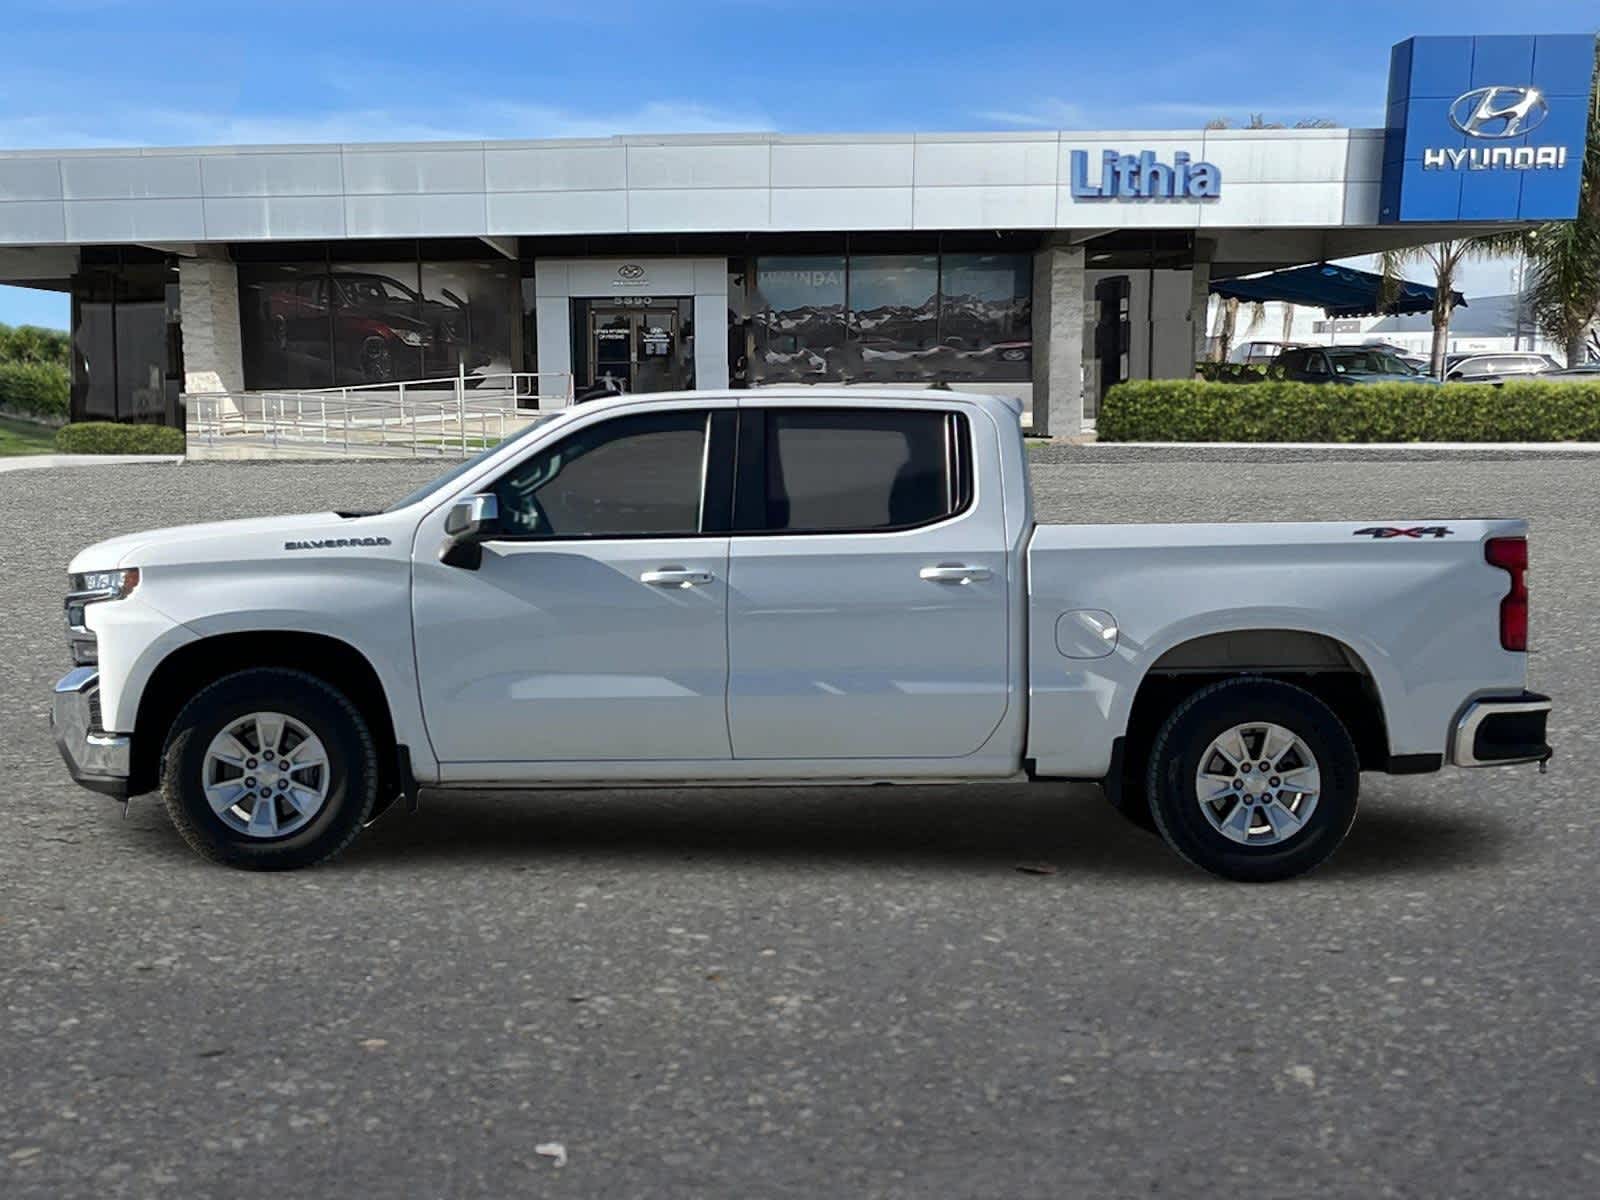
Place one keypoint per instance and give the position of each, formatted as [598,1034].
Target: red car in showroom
[381,329]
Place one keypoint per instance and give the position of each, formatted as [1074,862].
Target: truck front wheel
[269,769]
[1253,779]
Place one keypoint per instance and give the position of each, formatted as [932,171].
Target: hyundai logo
[1499,112]
[630,271]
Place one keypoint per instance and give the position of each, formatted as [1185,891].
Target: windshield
[1369,362]
[374,290]
[456,472]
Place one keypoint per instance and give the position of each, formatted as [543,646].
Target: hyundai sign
[1486,128]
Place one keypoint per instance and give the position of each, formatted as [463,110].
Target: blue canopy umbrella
[1338,291]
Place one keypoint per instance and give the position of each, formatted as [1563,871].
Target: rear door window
[1515,364]
[804,470]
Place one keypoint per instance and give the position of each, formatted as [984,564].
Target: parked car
[1259,353]
[1492,367]
[1586,373]
[1417,362]
[795,585]
[1344,364]
[384,329]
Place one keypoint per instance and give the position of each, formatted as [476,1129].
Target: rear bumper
[96,759]
[1500,731]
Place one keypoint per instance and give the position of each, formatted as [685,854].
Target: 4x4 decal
[1394,531]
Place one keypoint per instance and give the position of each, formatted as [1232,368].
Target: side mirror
[466,525]
[473,517]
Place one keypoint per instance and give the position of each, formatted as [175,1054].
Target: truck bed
[1410,603]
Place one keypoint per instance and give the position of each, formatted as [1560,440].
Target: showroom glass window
[628,476]
[902,317]
[127,360]
[985,316]
[393,317]
[799,318]
[894,317]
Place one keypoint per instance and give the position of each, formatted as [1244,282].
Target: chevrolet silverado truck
[787,586]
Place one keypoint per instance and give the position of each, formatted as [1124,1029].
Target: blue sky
[147,72]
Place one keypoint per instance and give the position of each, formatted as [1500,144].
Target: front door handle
[679,577]
[954,573]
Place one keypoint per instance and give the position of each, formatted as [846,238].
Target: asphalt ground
[809,993]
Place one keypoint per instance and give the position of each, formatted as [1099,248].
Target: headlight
[91,587]
[410,337]
[104,585]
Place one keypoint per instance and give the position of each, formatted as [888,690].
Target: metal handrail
[380,419]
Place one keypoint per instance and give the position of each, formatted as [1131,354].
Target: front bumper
[96,759]
[1500,731]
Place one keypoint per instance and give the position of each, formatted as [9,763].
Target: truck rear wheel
[1253,779]
[269,769]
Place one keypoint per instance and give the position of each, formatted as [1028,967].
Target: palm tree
[1227,321]
[1564,256]
[1445,258]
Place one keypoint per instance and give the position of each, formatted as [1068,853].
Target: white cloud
[465,119]
[1046,113]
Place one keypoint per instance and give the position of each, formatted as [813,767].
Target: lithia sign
[1143,177]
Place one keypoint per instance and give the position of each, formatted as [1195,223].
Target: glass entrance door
[638,349]
[611,336]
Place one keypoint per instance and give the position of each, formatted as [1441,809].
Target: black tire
[352,767]
[1190,730]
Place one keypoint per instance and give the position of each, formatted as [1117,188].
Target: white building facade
[1044,265]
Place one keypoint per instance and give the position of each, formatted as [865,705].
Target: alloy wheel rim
[266,775]
[1258,784]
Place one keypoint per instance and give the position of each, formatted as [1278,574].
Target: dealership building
[1046,265]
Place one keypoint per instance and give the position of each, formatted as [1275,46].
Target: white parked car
[1259,353]
[1489,367]
[779,586]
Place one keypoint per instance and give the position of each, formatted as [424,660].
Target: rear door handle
[954,573]
[680,577]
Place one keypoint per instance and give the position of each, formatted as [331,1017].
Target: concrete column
[710,323]
[208,296]
[1058,305]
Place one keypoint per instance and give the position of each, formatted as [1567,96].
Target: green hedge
[34,390]
[108,437]
[1187,410]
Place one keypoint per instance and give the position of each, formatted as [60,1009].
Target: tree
[1445,258]
[30,344]
[1564,256]
[1227,322]
[1259,121]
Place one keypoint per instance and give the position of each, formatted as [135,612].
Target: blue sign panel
[1486,128]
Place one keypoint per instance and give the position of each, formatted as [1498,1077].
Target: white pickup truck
[788,586]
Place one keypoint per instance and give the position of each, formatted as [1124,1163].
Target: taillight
[1510,554]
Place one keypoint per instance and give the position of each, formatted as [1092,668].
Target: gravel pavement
[808,993]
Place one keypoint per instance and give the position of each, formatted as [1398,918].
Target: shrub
[1228,372]
[108,437]
[34,390]
[1275,410]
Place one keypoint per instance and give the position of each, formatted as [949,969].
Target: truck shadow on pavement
[1070,830]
